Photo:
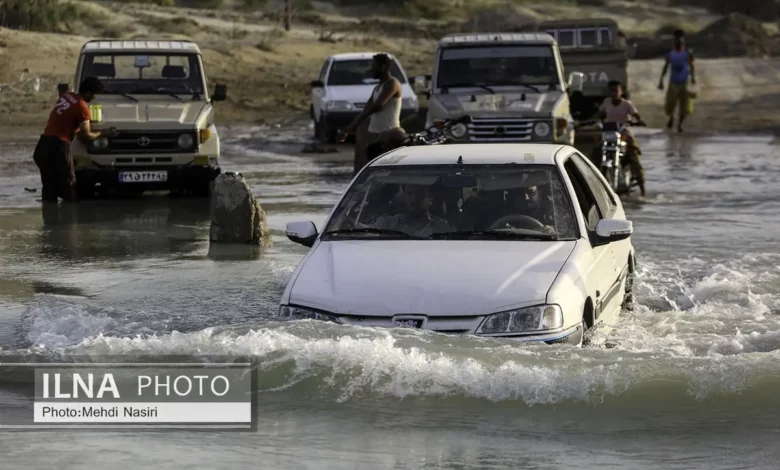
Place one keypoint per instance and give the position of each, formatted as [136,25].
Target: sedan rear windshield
[358,72]
[449,201]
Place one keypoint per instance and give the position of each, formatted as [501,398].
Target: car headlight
[340,106]
[458,130]
[542,129]
[522,320]
[298,313]
[186,141]
[101,143]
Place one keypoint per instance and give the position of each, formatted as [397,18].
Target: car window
[526,201]
[567,38]
[358,72]
[585,198]
[588,38]
[602,196]
[324,70]
[605,36]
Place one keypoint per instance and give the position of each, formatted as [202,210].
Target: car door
[318,94]
[600,272]
[608,208]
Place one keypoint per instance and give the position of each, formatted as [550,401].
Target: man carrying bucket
[680,60]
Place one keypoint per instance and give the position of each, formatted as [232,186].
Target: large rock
[236,216]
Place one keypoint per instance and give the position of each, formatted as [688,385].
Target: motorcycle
[611,153]
[439,133]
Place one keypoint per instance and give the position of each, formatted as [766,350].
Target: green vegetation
[53,16]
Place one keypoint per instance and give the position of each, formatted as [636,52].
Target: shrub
[33,15]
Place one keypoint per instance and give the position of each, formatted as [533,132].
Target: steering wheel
[516,219]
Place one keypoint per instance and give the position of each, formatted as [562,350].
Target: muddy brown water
[688,380]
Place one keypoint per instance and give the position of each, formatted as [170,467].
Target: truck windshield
[497,66]
[358,72]
[159,73]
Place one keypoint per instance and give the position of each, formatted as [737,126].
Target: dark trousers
[52,155]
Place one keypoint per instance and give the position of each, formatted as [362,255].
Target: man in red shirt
[70,118]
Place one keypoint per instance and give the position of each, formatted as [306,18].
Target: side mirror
[631,51]
[220,92]
[614,230]
[303,233]
[576,81]
[62,88]
[317,84]
[421,84]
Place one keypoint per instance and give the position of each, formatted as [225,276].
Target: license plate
[143,176]
[410,323]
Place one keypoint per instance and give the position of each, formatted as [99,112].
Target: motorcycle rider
[618,109]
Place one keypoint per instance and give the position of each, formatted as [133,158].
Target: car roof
[149,45]
[357,55]
[530,38]
[473,154]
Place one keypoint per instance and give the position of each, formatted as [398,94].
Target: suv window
[585,197]
[603,198]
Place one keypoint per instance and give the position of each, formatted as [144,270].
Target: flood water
[689,380]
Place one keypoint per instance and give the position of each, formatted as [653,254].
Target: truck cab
[511,84]
[156,96]
[596,48]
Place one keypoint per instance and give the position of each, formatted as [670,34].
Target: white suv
[156,96]
[344,86]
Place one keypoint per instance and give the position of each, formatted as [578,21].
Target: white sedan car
[504,240]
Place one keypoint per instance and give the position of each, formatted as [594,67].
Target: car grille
[449,325]
[147,142]
[500,130]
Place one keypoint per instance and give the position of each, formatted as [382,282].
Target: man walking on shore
[70,118]
[680,60]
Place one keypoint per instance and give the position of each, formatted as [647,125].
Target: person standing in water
[683,71]
[69,118]
[383,108]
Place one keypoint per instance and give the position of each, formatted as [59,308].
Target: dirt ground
[268,70]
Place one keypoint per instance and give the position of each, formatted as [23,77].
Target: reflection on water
[144,227]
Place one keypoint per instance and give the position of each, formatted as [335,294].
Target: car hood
[431,277]
[359,93]
[168,114]
[530,105]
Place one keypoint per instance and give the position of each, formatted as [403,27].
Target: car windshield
[358,72]
[497,66]
[521,202]
[175,73]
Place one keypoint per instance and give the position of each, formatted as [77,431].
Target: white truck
[511,84]
[156,96]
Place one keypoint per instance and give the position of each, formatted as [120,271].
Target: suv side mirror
[220,92]
[317,84]
[62,88]
[613,230]
[421,84]
[576,81]
[303,233]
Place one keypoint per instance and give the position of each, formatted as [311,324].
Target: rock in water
[236,216]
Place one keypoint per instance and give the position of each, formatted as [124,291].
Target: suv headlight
[339,106]
[458,130]
[522,320]
[101,143]
[186,141]
[290,312]
[542,129]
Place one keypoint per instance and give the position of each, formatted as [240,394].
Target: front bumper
[184,176]
[341,119]
[456,325]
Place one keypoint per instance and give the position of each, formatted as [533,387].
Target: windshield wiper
[468,85]
[497,233]
[378,231]
[121,93]
[163,91]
